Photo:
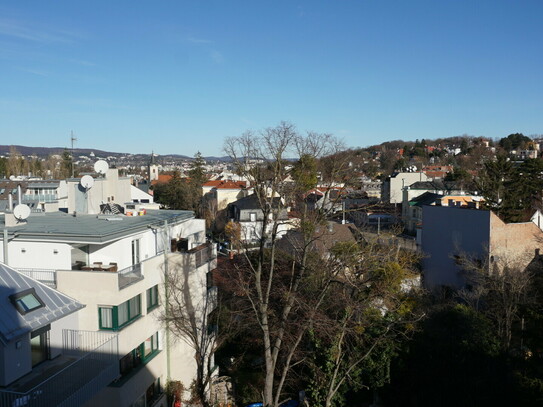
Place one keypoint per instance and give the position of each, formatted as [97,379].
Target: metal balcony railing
[203,253]
[129,275]
[45,276]
[92,362]
[40,198]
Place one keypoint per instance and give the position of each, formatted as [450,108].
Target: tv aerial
[87,182]
[21,212]
[101,167]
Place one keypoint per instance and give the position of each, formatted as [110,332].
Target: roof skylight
[26,301]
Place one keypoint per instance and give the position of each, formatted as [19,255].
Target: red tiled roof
[212,183]
[162,179]
[222,184]
[232,185]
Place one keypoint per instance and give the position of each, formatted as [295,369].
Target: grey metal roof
[427,198]
[63,227]
[437,185]
[250,202]
[12,323]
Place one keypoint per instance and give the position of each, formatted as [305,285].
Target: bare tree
[498,287]
[282,305]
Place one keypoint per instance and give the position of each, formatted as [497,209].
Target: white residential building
[393,185]
[115,265]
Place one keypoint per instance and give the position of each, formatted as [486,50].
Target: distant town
[291,271]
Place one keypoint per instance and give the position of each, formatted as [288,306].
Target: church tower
[152,169]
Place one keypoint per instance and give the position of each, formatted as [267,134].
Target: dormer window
[26,301]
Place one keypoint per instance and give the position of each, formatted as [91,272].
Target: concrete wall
[15,362]
[447,231]
[136,193]
[251,231]
[226,196]
[120,251]
[394,185]
[38,255]
[106,189]
[124,395]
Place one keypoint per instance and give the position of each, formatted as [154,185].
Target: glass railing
[40,198]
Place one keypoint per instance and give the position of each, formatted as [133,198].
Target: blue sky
[180,76]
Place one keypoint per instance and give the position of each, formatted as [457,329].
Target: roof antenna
[72,138]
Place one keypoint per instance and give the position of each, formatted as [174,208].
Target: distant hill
[44,152]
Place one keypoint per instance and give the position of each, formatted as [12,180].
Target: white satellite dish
[87,181]
[101,167]
[21,211]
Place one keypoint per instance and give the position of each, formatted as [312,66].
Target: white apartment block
[115,266]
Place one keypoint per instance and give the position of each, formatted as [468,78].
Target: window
[152,298]
[105,317]
[150,346]
[26,301]
[135,251]
[116,317]
[153,392]
[139,356]
[252,216]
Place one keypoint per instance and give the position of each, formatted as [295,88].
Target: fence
[45,276]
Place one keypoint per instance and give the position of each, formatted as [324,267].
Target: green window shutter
[115,318]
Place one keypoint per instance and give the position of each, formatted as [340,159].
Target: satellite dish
[21,211]
[101,167]
[87,181]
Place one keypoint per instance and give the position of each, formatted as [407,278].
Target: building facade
[117,267]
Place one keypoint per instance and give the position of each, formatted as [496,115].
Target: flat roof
[97,229]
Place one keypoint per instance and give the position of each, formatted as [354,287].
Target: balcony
[45,276]
[89,362]
[198,256]
[40,198]
[129,275]
[125,277]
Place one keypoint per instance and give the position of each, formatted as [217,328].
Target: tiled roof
[225,184]
[162,179]
[213,183]
[232,185]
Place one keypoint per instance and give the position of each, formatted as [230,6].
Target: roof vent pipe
[10,200]
[19,194]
